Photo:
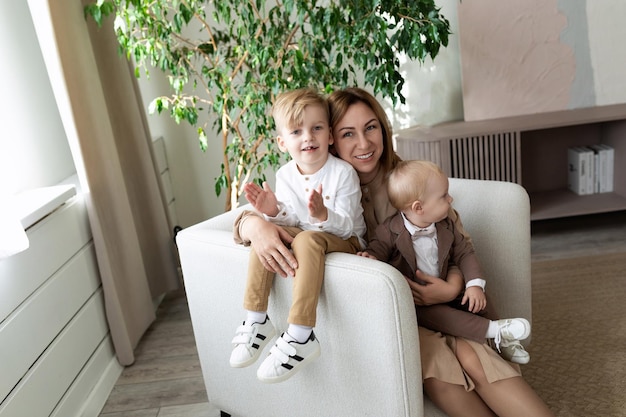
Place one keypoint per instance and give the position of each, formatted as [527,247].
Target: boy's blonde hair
[288,109]
[408,182]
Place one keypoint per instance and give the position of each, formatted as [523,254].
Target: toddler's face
[437,202]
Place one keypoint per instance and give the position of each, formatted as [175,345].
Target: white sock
[515,327]
[299,333]
[256,316]
[492,330]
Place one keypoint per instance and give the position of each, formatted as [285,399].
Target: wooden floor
[166,380]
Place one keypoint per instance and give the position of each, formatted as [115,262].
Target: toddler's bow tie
[429,231]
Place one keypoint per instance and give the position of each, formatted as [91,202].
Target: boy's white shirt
[427,253]
[341,190]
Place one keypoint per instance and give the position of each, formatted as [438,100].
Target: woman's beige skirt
[440,362]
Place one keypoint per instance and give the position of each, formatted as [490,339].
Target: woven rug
[578,348]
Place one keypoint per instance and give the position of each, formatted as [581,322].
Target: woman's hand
[432,290]
[269,242]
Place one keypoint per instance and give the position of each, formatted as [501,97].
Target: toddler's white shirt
[427,253]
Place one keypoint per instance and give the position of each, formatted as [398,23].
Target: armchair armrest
[366,326]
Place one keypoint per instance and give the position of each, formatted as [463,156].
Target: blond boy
[318,202]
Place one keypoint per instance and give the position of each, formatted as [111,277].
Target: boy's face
[307,144]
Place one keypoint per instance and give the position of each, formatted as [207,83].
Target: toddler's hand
[476,298]
[367,255]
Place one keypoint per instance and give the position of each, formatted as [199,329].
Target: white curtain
[104,119]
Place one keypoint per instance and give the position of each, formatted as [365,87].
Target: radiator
[495,156]
[486,157]
[429,150]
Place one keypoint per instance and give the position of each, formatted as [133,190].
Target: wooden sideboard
[530,150]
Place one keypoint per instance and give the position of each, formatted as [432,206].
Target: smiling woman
[359,139]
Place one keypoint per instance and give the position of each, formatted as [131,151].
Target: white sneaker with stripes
[287,357]
[249,341]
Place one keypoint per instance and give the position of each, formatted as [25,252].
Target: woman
[453,368]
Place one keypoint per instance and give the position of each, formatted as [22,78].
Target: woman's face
[359,140]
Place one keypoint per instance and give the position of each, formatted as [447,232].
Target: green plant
[230,58]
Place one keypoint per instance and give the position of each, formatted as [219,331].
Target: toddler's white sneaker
[511,329]
[513,351]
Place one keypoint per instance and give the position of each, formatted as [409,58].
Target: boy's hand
[262,199]
[367,255]
[476,297]
[317,209]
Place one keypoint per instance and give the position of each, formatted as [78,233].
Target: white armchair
[366,319]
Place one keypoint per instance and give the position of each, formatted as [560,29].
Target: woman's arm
[434,290]
[269,241]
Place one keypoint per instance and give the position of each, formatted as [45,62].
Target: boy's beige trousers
[310,249]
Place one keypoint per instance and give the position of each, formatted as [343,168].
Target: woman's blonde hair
[408,182]
[288,109]
[339,101]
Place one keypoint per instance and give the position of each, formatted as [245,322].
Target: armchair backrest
[497,216]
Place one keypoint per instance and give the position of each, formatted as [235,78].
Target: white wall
[541,56]
[192,171]
[607,32]
[33,147]
[433,89]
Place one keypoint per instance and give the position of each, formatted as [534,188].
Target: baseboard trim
[100,394]
[92,387]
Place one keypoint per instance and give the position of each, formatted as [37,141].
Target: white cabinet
[56,353]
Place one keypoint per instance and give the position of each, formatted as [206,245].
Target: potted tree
[228,60]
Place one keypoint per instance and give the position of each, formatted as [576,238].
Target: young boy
[421,236]
[318,202]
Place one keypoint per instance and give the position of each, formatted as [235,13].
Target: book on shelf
[577,162]
[604,155]
[590,169]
